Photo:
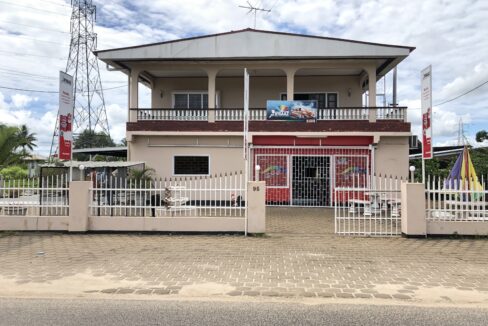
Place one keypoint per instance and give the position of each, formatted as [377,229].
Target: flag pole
[245,144]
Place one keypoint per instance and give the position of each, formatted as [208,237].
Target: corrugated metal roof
[93,164]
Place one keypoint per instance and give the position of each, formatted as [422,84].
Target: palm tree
[11,139]
[26,139]
[141,176]
[8,145]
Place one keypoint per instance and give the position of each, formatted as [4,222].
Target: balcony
[225,120]
[259,114]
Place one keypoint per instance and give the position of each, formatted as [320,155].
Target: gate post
[413,209]
[256,207]
[79,205]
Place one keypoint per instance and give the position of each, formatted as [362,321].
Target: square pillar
[79,205]
[290,84]
[256,207]
[413,209]
[212,76]
[372,93]
[133,94]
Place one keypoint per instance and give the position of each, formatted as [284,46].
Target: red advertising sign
[426,104]
[274,170]
[65,116]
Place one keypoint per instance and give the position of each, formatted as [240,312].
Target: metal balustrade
[259,114]
[222,195]
[370,206]
[456,200]
[46,196]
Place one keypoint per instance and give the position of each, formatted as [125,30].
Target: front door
[310,180]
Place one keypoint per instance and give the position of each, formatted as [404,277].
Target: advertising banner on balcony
[426,104]
[65,116]
[291,110]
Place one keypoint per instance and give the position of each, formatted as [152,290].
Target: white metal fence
[46,196]
[458,200]
[222,195]
[370,207]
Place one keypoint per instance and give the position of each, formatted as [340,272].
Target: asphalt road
[136,312]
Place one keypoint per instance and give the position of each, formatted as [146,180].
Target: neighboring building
[33,162]
[194,126]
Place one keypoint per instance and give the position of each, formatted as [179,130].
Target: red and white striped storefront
[305,171]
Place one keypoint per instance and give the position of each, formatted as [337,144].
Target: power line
[465,93]
[31,55]
[34,39]
[10,71]
[57,4]
[34,8]
[52,92]
[27,90]
[37,27]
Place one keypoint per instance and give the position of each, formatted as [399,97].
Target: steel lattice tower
[89,103]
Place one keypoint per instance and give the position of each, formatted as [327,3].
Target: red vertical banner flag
[426,104]
[65,116]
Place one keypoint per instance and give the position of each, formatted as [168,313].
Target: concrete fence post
[413,209]
[79,202]
[256,207]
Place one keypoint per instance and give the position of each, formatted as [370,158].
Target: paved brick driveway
[300,257]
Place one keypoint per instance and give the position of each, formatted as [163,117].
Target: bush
[14,172]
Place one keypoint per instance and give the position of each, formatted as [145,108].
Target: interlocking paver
[300,256]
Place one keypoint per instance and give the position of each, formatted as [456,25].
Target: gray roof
[95,164]
[255,44]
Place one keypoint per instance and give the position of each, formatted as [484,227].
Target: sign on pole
[426,104]
[65,116]
[246,111]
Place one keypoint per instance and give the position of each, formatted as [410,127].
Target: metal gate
[307,175]
[371,207]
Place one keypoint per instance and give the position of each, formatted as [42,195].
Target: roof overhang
[255,46]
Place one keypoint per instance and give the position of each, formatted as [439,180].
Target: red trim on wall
[326,141]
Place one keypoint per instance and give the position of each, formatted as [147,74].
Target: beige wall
[261,89]
[225,152]
[391,156]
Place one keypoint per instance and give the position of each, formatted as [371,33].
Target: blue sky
[450,35]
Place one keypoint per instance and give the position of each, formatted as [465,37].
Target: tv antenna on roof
[255,10]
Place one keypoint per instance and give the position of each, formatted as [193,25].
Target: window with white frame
[191,165]
[324,100]
[190,100]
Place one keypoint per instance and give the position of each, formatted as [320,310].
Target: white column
[372,92]
[133,94]
[290,83]
[212,76]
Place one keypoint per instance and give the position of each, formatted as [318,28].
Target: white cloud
[22,100]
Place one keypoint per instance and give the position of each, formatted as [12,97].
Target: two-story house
[194,126]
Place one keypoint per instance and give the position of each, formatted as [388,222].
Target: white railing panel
[370,207]
[237,114]
[46,196]
[222,195]
[456,200]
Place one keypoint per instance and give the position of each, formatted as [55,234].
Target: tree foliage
[14,172]
[14,144]
[442,166]
[91,139]
[142,177]
[481,136]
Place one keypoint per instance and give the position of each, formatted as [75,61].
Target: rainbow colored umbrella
[463,177]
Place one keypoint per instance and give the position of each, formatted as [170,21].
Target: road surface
[163,312]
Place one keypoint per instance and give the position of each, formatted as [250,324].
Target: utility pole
[89,103]
[255,10]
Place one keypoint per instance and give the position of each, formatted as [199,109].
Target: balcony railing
[259,114]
